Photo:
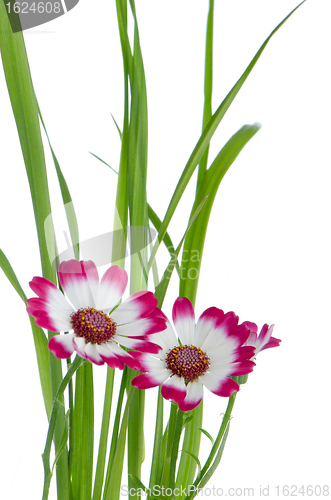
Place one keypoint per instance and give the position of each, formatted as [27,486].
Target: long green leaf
[137,156]
[153,217]
[24,105]
[83,431]
[116,426]
[208,86]
[195,458]
[122,202]
[78,362]
[25,110]
[205,138]
[100,469]
[9,272]
[39,337]
[194,242]
[217,460]
[162,287]
[156,465]
[218,445]
[63,442]
[66,197]
[191,445]
[112,491]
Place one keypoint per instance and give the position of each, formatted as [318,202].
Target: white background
[267,254]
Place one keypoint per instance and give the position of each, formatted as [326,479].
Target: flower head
[207,353]
[99,328]
[264,340]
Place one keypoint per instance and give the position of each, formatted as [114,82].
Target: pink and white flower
[204,354]
[99,328]
[264,340]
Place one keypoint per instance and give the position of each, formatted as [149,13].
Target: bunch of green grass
[74,449]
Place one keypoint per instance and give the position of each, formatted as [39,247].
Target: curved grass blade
[112,491]
[205,138]
[157,460]
[218,445]
[195,458]
[206,433]
[63,442]
[9,272]
[116,125]
[66,197]
[25,110]
[83,434]
[162,287]
[195,240]
[97,157]
[153,217]
[217,460]
[101,461]
[212,469]
[52,423]
[39,337]
[208,86]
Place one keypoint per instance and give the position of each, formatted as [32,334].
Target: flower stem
[191,445]
[165,480]
[215,448]
[157,449]
[115,428]
[113,487]
[52,423]
[100,469]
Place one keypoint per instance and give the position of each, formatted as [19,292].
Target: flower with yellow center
[98,329]
[206,354]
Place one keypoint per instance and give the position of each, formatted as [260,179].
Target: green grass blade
[100,468]
[156,465]
[9,272]
[102,161]
[24,105]
[217,460]
[116,427]
[83,434]
[174,451]
[156,221]
[112,491]
[205,138]
[66,197]
[206,433]
[218,445]
[195,458]
[63,442]
[25,110]
[122,202]
[153,217]
[116,125]
[208,86]
[137,156]
[78,362]
[39,337]
[191,445]
[194,242]
[162,287]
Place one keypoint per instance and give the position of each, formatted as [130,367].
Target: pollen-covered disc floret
[187,361]
[94,326]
